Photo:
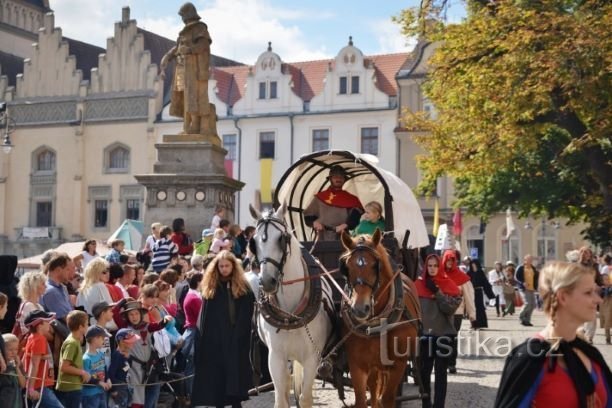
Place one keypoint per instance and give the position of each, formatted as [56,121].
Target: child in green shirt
[71,374]
[372,219]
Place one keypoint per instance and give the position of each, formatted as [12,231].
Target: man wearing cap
[333,210]
[38,362]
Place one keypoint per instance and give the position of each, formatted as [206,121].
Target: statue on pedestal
[189,98]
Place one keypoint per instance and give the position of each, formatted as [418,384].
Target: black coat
[223,373]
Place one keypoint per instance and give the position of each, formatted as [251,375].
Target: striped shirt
[163,250]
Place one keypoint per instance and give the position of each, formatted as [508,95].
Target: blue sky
[241,29]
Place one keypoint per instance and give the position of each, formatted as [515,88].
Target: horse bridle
[361,262]
[284,242]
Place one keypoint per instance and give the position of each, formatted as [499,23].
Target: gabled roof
[10,65]
[86,55]
[308,76]
[41,4]
[415,58]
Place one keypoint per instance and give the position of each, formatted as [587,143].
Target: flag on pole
[457,223]
[266,180]
[510,228]
[436,220]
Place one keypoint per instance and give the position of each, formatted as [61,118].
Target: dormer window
[268,90]
[344,82]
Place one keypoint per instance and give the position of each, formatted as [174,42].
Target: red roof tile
[308,76]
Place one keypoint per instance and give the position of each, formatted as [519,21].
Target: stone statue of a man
[189,98]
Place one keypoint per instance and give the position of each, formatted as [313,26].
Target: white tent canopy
[366,180]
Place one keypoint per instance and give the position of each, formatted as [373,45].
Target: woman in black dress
[223,374]
[481,287]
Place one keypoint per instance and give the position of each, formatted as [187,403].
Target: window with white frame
[268,90]
[45,161]
[320,139]
[230,144]
[117,158]
[510,247]
[266,145]
[354,84]
[369,140]
[343,85]
[101,213]
[547,243]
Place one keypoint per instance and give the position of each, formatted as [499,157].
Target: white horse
[278,251]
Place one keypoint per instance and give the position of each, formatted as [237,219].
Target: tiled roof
[86,55]
[308,76]
[41,4]
[10,65]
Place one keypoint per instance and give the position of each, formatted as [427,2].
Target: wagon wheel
[297,379]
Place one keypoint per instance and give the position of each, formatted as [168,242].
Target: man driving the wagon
[333,210]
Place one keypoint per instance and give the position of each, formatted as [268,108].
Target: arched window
[547,243]
[510,247]
[45,161]
[117,158]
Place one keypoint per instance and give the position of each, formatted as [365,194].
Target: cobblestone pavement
[479,369]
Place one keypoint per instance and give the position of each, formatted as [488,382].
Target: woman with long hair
[94,290]
[222,349]
[87,255]
[31,287]
[556,367]
[439,297]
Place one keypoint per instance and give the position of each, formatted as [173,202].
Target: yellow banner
[266,180]
[436,220]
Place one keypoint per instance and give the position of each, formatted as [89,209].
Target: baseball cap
[95,331]
[36,317]
[99,308]
[127,335]
[207,232]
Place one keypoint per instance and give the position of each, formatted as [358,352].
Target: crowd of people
[181,314]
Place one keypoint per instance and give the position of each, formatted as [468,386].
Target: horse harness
[395,312]
[308,306]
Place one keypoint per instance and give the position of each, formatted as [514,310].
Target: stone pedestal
[188,181]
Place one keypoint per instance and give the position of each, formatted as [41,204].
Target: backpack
[21,336]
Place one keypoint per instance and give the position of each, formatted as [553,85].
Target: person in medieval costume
[223,373]
[333,210]
[190,85]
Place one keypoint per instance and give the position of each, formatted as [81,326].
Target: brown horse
[382,317]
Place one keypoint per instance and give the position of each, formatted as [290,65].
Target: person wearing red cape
[467,307]
[439,297]
[333,210]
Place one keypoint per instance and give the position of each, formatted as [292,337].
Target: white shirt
[498,288]
[97,293]
[214,224]
[123,289]
[87,258]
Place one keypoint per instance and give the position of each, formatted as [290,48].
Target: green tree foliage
[523,92]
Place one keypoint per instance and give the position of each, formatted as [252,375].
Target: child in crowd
[202,246]
[219,242]
[38,361]
[13,381]
[69,385]
[132,314]
[94,393]
[103,313]
[163,249]
[114,255]
[372,219]
[120,366]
